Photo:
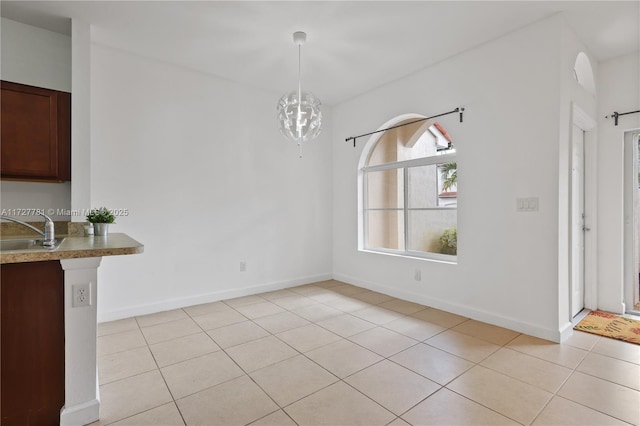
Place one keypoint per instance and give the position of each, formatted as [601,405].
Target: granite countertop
[76,247]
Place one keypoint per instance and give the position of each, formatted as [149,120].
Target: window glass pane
[428,227]
[385,229]
[448,184]
[385,189]
[422,185]
[393,144]
[638,165]
[418,140]
[433,186]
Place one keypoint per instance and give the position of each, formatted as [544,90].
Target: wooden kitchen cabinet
[32,357]
[36,133]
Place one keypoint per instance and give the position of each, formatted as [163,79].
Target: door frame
[631,226]
[578,220]
[584,121]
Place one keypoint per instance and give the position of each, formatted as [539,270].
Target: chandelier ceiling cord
[299,115]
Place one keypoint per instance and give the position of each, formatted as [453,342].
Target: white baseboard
[468,311]
[165,305]
[566,331]
[81,414]
[463,310]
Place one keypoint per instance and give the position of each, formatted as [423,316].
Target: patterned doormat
[610,325]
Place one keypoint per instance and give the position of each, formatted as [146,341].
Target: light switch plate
[529,204]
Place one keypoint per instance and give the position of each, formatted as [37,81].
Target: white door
[632,222]
[577,222]
[635,200]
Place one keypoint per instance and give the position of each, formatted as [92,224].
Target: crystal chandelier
[299,115]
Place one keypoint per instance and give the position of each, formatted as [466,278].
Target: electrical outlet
[81,295]
[243,266]
[418,275]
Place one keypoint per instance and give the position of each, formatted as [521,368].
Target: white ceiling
[352,47]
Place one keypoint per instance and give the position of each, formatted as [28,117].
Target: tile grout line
[145,372]
[243,370]
[223,382]
[313,361]
[342,338]
[479,364]
[445,386]
[574,370]
[384,358]
[173,400]
[311,322]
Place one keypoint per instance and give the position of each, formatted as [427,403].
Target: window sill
[431,257]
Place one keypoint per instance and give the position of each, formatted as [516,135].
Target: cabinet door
[35,133]
[31,343]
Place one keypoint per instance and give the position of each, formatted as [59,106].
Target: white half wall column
[82,400]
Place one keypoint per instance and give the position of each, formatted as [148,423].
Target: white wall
[209,182]
[41,58]
[49,197]
[508,147]
[81,117]
[35,56]
[619,90]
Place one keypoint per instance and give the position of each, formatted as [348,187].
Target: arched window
[583,73]
[409,191]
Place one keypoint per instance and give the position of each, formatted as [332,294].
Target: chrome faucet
[49,232]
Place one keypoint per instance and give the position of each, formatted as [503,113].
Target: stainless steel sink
[26,244]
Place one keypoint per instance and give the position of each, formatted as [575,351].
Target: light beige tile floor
[330,353]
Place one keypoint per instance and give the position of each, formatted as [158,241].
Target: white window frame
[405,166]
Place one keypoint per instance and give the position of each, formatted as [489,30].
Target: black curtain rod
[615,115]
[459,110]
